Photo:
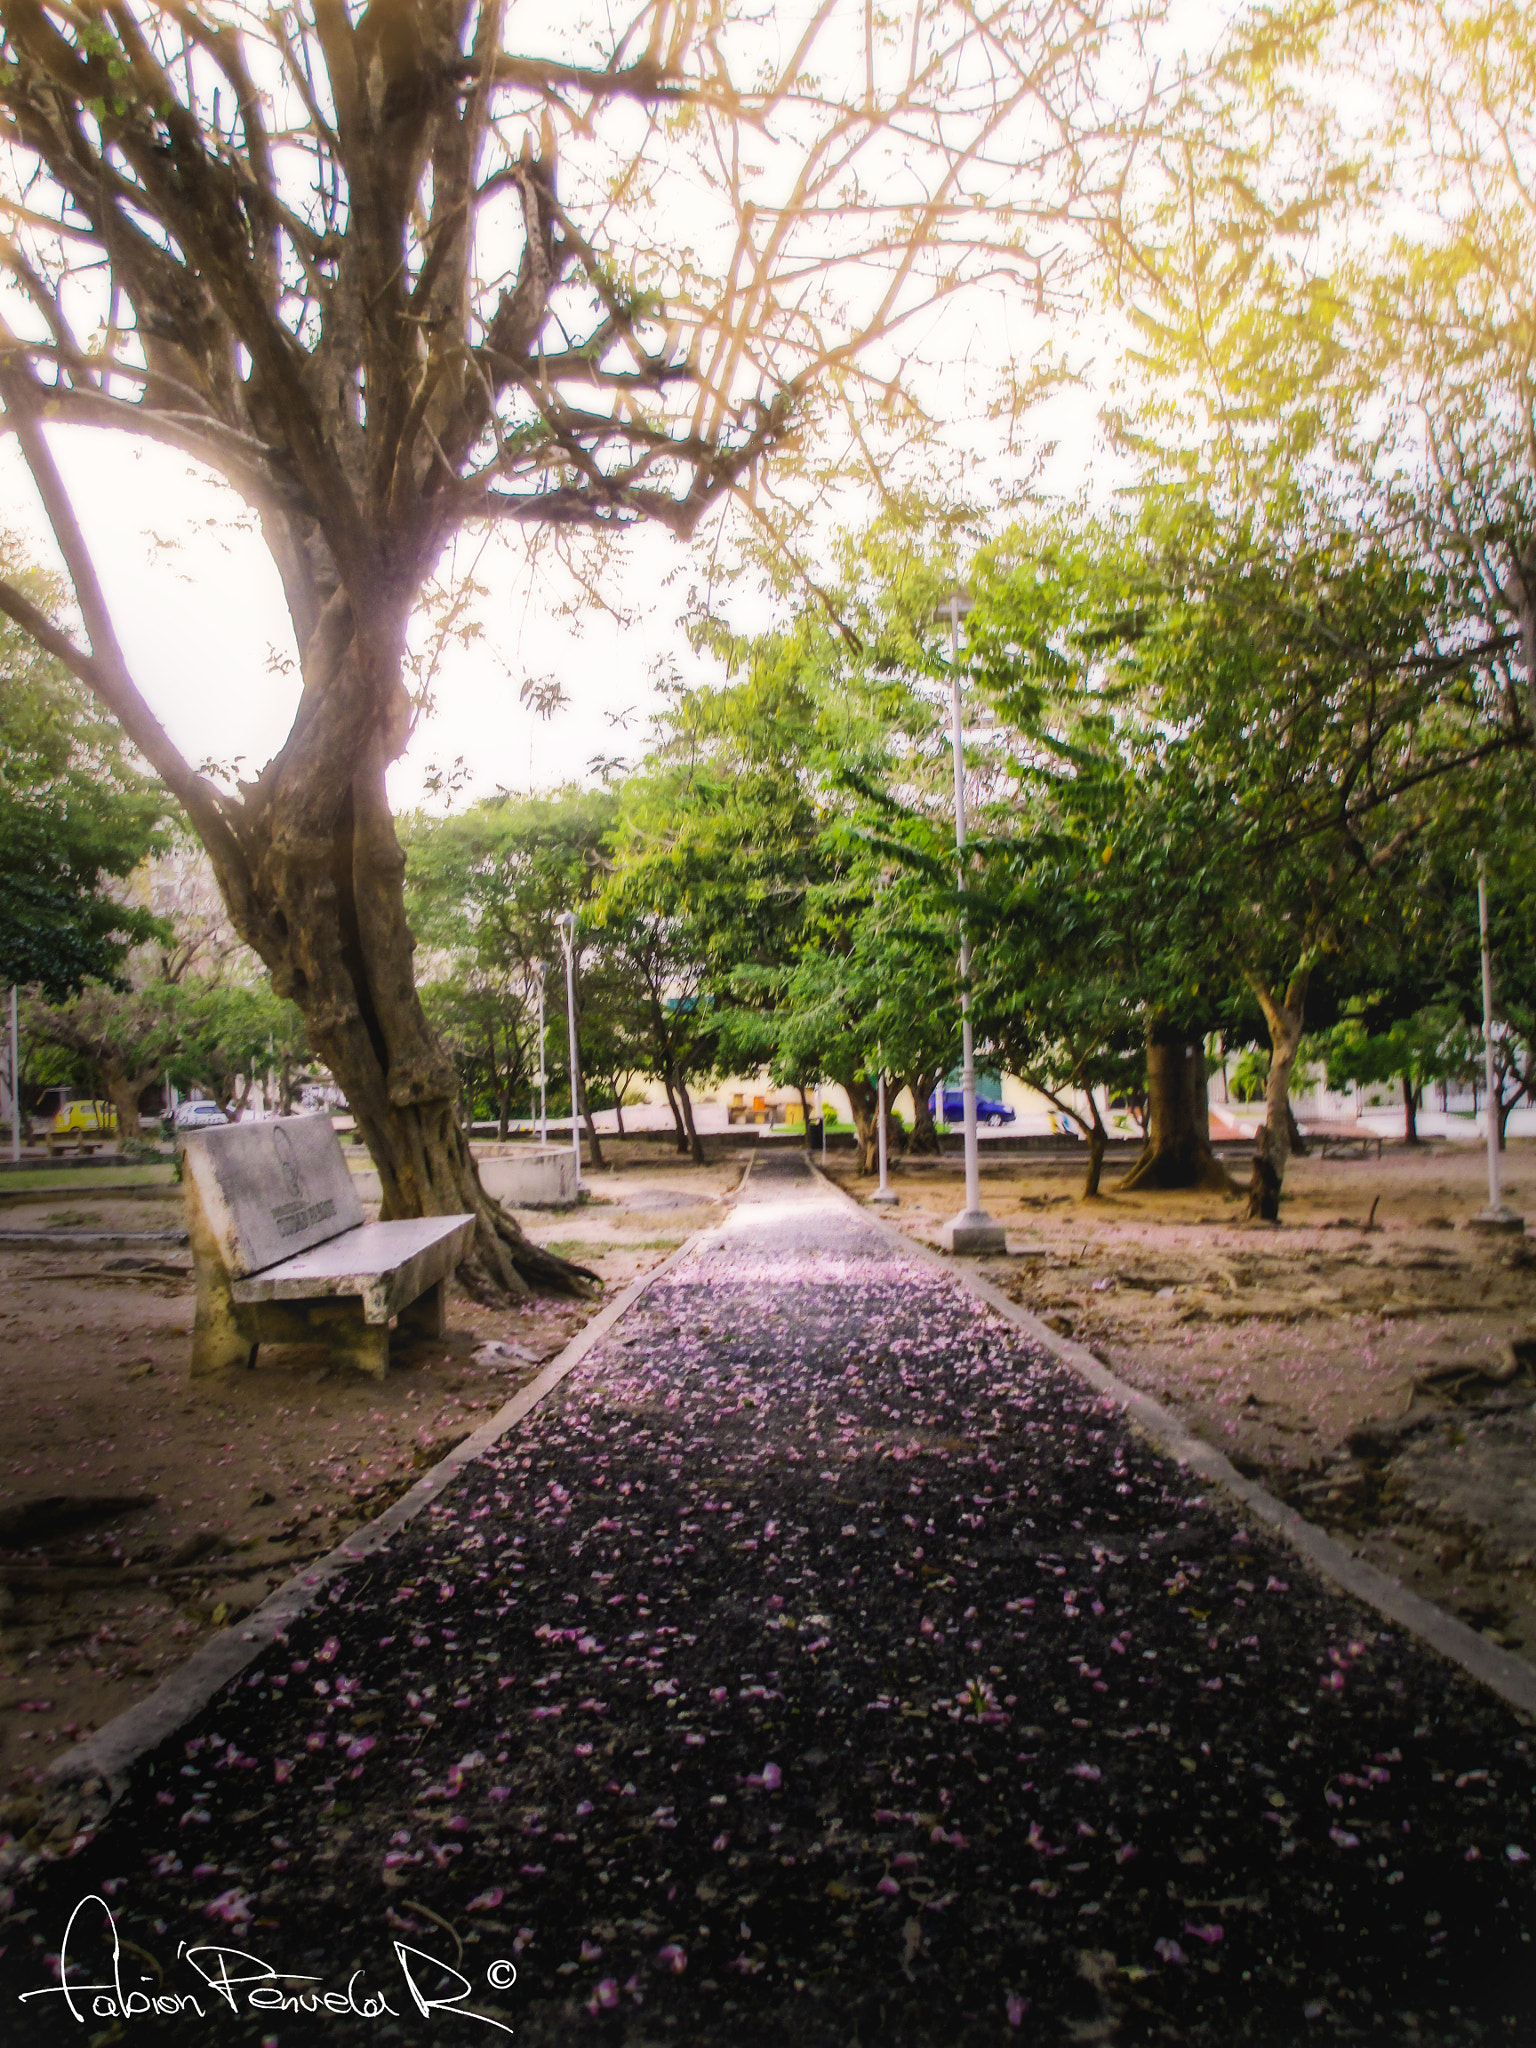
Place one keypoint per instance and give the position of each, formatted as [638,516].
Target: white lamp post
[538,972]
[973,1230]
[883,1193]
[15,1084]
[566,923]
[1496,1216]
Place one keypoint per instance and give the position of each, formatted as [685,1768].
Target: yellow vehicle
[86,1116]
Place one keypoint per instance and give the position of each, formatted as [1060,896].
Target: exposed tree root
[505,1265]
[1195,1167]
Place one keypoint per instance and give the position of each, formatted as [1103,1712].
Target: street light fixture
[566,925]
[973,1230]
[538,975]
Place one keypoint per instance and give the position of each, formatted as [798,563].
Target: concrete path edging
[112,1751]
[1511,1677]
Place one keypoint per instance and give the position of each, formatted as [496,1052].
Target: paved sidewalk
[820,1665]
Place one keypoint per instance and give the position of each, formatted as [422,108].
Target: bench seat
[386,1265]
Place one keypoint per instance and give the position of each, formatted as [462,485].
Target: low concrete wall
[529,1177]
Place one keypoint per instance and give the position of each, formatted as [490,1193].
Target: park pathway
[821,1664]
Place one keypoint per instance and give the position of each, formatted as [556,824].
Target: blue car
[994,1114]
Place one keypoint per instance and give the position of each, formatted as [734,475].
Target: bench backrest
[268,1190]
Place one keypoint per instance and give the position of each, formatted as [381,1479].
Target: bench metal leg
[427,1315]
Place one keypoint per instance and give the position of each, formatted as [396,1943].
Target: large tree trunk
[864,1101]
[1272,1142]
[1410,1112]
[306,857]
[1524,1090]
[123,1092]
[594,1143]
[805,1113]
[1098,1145]
[695,1145]
[680,1129]
[925,1139]
[318,891]
[1178,1149]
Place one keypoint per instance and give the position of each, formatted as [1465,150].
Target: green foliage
[76,814]
[1433,1044]
[237,1032]
[483,890]
[115,1042]
[1232,737]
[1250,1075]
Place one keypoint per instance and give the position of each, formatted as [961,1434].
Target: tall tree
[122,1040]
[1328,258]
[1243,726]
[714,846]
[484,889]
[389,274]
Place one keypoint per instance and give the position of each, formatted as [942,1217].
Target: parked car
[993,1114]
[196,1116]
[86,1116]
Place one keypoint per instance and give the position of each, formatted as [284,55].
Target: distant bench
[1342,1140]
[281,1254]
[70,1141]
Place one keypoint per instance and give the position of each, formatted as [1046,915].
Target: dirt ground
[1377,1378]
[140,1509]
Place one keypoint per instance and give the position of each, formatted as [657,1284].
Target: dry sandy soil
[140,1509]
[1379,1379]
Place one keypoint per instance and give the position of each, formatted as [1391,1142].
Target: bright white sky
[201,616]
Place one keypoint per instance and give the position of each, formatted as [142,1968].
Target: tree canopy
[395,270]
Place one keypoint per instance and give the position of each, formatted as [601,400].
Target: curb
[87,1240]
[112,1751]
[1510,1677]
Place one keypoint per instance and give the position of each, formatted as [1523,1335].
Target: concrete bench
[1342,1140]
[61,1143]
[281,1254]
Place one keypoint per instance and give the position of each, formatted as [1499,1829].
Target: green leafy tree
[714,847]
[233,1033]
[1338,278]
[119,1040]
[77,816]
[1432,1044]
[484,888]
[1418,1015]
[1241,728]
